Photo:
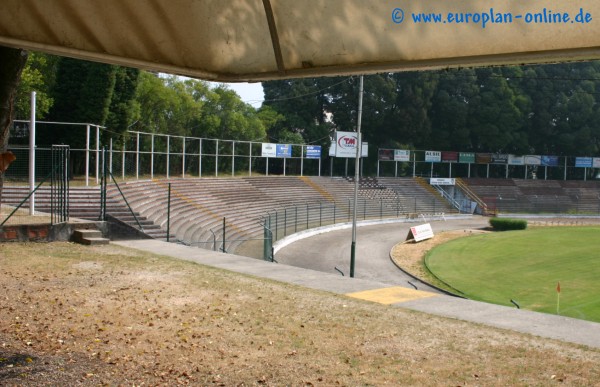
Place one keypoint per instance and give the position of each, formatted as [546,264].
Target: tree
[82,93]
[38,75]
[11,66]
[124,109]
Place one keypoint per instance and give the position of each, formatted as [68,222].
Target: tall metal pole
[87,155]
[32,156]
[356,177]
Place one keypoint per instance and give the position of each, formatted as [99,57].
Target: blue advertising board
[313,151]
[550,161]
[583,162]
[283,150]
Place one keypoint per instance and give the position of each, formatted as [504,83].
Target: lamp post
[356,177]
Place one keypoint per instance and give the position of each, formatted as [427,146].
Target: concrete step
[89,237]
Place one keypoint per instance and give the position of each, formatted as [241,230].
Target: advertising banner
[420,233]
[269,150]
[450,157]
[283,150]
[533,160]
[516,160]
[499,158]
[345,144]
[583,162]
[386,154]
[466,157]
[550,161]
[364,149]
[442,181]
[313,151]
[483,158]
[433,156]
[401,155]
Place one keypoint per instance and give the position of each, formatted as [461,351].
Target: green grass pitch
[526,266]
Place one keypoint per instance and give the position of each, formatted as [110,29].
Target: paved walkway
[539,324]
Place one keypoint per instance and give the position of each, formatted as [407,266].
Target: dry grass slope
[111,316]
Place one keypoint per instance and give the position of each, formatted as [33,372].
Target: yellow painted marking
[391,295]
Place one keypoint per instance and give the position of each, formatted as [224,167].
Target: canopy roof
[255,40]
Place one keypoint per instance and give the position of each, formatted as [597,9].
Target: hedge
[503,224]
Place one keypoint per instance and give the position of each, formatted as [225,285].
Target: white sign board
[269,150]
[596,162]
[420,233]
[433,156]
[442,181]
[533,160]
[516,160]
[345,144]
[401,155]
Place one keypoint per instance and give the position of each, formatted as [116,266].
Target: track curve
[325,252]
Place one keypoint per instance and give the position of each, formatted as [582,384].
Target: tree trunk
[12,62]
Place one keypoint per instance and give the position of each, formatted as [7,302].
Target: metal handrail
[126,202]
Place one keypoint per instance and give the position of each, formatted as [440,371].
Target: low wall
[45,232]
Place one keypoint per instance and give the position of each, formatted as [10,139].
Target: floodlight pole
[356,177]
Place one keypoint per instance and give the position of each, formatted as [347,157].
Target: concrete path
[368,288]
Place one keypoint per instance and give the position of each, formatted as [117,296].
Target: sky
[251,93]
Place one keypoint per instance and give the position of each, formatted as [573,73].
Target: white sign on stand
[420,233]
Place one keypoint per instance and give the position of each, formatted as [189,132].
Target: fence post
[152,156]
[87,155]
[320,213]
[307,214]
[224,249]
[349,208]
[169,213]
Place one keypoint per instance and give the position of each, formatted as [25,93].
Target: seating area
[198,206]
[537,196]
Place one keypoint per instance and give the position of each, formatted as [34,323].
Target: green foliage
[504,224]
[124,109]
[38,75]
[192,108]
[82,93]
[526,266]
[536,109]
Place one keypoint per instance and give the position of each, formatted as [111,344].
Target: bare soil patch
[77,315]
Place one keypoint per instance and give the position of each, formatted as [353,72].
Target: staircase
[84,203]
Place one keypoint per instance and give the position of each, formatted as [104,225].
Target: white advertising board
[420,233]
[401,155]
[516,160]
[433,156]
[442,181]
[269,150]
[345,144]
